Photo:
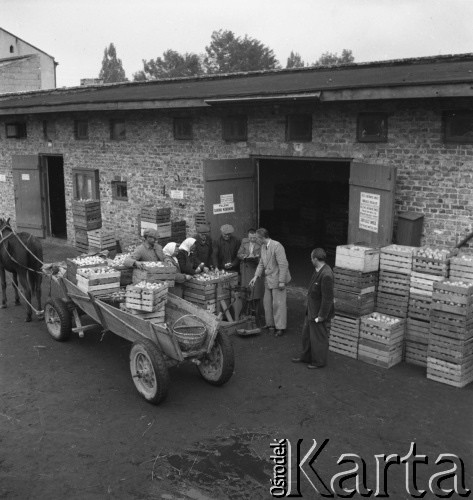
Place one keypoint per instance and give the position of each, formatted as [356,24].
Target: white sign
[223,208]
[25,177]
[226,199]
[177,195]
[369,211]
[3,178]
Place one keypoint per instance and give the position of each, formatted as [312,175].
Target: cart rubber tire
[149,371]
[58,319]
[217,367]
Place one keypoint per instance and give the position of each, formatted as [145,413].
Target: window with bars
[458,126]
[119,190]
[117,130]
[299,128]
[182,128]
[235,128]
[81,129]
[372,127]
[85,184]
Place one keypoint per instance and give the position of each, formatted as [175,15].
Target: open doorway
[53,175]
[304,204]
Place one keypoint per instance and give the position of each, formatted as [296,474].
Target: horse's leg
[35,279]
[17,295]
[27,292]
[4,287]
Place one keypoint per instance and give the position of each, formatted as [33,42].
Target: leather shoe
[314,367]
[279,333]
[267,327]
[297,360]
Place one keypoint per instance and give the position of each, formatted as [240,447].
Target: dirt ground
[73,426]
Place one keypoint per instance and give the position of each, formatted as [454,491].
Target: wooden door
[230,195]
[29,198]
[371,204]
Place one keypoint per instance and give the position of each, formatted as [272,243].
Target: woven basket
[190,336]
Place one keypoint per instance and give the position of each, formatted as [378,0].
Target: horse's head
[5,224]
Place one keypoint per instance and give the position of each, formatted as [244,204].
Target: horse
[21,254]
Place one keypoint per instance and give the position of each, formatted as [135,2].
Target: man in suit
[275,268]
[319,313]
[249,255]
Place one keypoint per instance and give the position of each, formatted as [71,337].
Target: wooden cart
[155,346]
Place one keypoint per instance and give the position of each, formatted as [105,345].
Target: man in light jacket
[274,267]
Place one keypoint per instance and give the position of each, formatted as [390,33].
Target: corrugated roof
[439,70]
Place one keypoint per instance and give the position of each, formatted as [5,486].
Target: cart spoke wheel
[217,366]
[149,371]
[58,319]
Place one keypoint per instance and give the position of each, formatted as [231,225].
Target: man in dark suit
[319,313]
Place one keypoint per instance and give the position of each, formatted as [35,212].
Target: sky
[76,32]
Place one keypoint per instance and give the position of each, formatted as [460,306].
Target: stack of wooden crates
[210,294]
[356,278]
[158,219]
[87,216]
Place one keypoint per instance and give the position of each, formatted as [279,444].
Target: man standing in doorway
[275,268]
[319,313]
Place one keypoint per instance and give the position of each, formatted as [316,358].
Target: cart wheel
[149,371]
[217,366]
[58,319]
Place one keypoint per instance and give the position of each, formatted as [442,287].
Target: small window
[372,127]
[12,49]
[119,190]
[85,184]
[16,130]
[81,129]
[235,128]
[299,128]
[49,130]
[458,126]
[182,128]
[117,130]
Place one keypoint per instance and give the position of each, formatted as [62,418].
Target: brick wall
[21,75]
[433,177]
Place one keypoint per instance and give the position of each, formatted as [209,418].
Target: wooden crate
[417,331]
[419,307]
[87,215]
[396,258]
[154,274]
[422,283]
[144,299]
[354,304]
[435,266]
[101,239]
[72,266]
[98,283]
[343,344]
[415,353]
[158,316]
[378,354]
[454,374]
[447,349]
[392,305]
[354,281]
[461,268]
[394,283]
[452,298]
[155,215]
[450,325]
[357,258]
[382,328]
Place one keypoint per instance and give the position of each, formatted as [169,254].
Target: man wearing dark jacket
[319,313]
[203,246]
[225,250]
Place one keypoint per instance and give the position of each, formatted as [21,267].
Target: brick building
[292,150]
[24,67]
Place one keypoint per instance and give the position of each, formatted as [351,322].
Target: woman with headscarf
[187,261]
[171,250]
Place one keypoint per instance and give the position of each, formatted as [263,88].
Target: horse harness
[4,238]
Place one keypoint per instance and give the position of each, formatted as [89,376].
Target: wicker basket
[190,336]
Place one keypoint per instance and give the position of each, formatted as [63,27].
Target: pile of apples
[462,284]
[119,260]
[91,271]
[433,253]
[211,275]
[150,265]
[88,261]
[149,286]
[468,258]
[383,318]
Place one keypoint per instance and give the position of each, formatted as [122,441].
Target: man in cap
[148,251]
[319,313]
[225,251]
[203,245]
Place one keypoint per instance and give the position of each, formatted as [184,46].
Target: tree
[295,60]
[171,65]
[112,68]
[228,53]
[329,58]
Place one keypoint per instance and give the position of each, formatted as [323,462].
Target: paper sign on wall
[177,195]
[226,199]
[223,208]
[369,211]
[3,178]
[25,177]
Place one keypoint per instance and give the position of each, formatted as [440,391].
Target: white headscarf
[187,244]
[169,249]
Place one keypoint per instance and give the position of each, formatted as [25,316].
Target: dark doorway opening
[56,197]
[304,205]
